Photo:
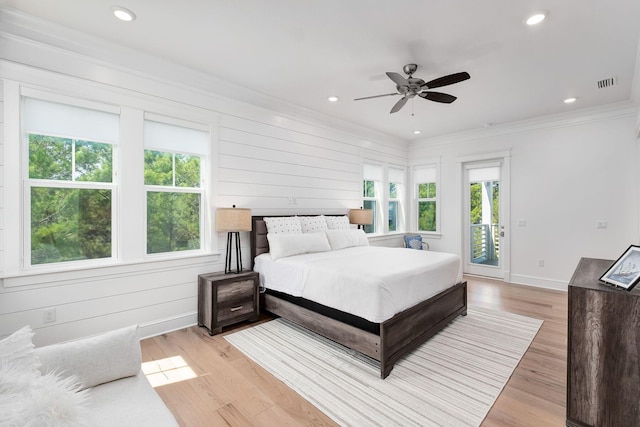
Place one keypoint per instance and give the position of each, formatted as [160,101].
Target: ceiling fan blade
[447,80]
[377,96]
[399,105]
[445,98]
[397,79]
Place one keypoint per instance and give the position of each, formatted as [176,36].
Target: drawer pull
[236,308]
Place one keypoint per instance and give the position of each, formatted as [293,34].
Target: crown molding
[573,118]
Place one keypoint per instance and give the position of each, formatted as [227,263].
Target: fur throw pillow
[30,399]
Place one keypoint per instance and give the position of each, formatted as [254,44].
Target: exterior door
[485,245]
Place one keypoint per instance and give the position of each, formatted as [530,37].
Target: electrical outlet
[601,224]
[540,263]
[49,315]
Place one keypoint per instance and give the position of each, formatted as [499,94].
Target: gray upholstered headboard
[259,242]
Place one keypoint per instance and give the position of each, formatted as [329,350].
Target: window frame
[417,181]
[208,237]
[128,241]
[366,204]
[373,172]
[200,190]
[380,173]
[399,199]
[28,183]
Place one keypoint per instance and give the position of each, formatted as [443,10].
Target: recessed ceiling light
[570,100]
[333,99]
[536,18]
[123,14]
[417,132]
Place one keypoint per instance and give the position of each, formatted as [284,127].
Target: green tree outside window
[69,223]
[173,217]
[427,207]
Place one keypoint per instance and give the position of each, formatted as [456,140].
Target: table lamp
[233,221]
[361,217]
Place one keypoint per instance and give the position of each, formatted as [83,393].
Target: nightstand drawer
[232,310]
[225,299]
[236,291]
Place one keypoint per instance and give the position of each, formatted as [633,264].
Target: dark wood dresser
[225,299]
[603,359]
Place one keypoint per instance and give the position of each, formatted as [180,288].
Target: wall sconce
[233,221]
[361,217]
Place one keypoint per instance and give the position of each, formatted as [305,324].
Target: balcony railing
[485,244]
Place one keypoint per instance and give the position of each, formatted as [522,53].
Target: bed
[386,341]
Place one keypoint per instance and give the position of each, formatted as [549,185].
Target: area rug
[451,380]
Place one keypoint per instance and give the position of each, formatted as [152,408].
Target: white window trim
[382,198]
[416,200]
[129,251]
[26,183]
[172,189]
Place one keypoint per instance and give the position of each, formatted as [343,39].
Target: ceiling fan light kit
[411,86]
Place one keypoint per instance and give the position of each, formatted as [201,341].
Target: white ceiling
[301,52]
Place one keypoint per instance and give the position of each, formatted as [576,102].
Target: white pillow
[313,224]
[340,239]
[95,360]
[284,245]
[285,224]
[338,222]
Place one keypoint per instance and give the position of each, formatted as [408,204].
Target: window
[69,182]
[396,179]
[372,175]
[173,176]
[426,187]
[92,184]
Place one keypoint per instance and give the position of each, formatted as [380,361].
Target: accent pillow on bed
[285,224]
[340,239]
[284,245]
[338,222]
[313,224]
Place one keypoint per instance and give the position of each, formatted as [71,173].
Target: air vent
[604,83]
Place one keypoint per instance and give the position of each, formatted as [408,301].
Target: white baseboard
[170,324]
[540,282]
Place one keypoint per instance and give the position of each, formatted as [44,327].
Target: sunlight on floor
[167,371]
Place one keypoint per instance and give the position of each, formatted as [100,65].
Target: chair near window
[414,241]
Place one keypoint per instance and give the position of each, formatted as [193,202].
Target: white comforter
[371,282]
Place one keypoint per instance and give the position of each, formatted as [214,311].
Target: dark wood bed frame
[399,335]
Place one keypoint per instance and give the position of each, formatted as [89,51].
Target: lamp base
[227,264]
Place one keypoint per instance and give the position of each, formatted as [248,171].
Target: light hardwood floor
[229,389]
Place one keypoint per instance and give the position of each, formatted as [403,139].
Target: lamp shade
[233,219]
[360,216]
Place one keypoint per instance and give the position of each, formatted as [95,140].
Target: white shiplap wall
[271,162]
[2,205]
[280,167]
[278,170]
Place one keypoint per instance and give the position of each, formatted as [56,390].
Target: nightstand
[225,299]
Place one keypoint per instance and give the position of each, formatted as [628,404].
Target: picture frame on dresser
[625,272]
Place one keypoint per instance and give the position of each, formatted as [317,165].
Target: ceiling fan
[412,86]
